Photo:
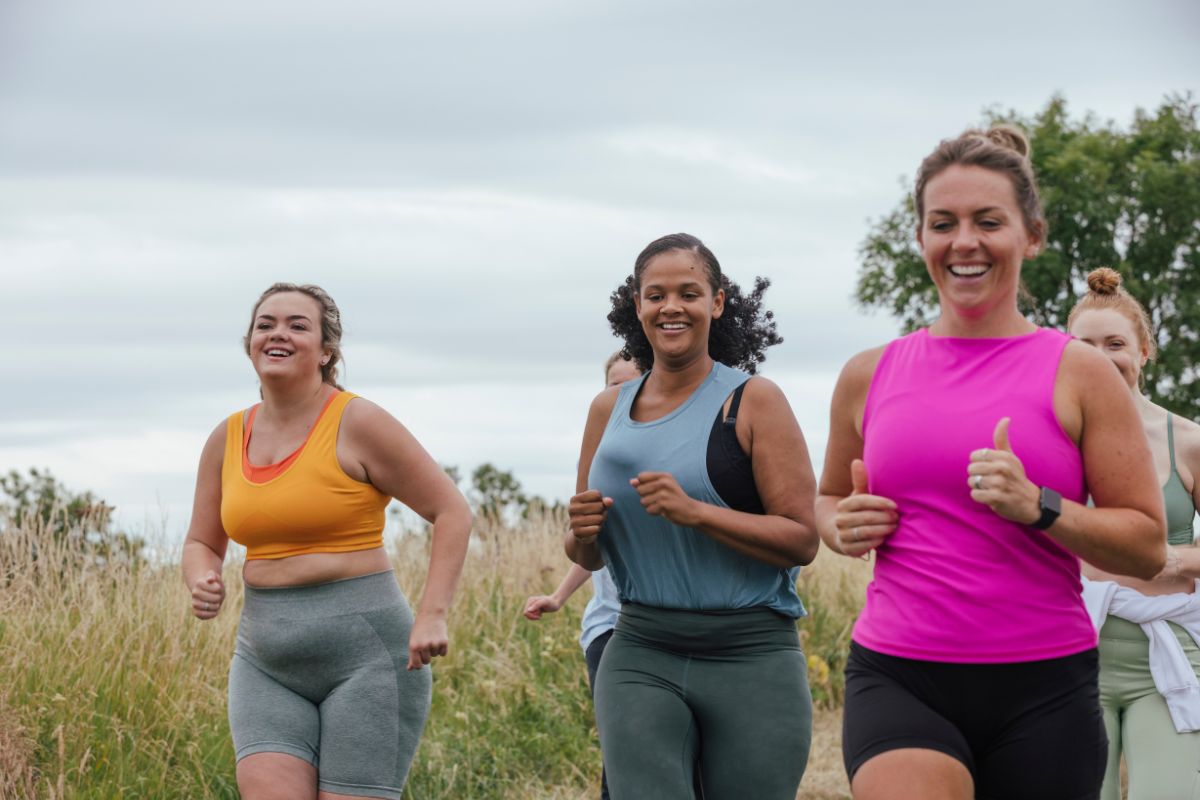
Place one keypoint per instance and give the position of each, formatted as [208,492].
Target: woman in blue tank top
[696,490]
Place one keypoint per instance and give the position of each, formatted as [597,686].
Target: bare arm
[206,542]
[547,603]
[587,508]
[850,520]
[785,535]
[1125,533]
[397,464]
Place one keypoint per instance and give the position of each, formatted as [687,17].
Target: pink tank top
[956,582]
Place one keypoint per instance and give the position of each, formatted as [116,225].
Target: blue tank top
[655,562]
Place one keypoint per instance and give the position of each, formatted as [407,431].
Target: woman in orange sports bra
[329,686]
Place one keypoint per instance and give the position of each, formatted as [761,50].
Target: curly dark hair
[739,338]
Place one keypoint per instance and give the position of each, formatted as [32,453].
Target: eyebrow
[660,287]
[289,319]
[988,210]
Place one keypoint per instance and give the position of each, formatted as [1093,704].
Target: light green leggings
[1162,764]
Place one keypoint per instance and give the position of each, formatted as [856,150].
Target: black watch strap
[1050,503]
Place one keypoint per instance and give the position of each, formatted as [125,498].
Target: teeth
[968,270]
[673,326]
[278,353]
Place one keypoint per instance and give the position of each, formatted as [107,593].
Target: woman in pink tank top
[962,455]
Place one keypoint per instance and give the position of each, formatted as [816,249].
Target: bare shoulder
[603,404]
[363,416]
[218,433]
[1185,428]
[1082,362]
[856,375]
[1187,441]
[763,393]
[214,445]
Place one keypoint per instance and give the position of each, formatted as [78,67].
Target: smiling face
[676,305]
[1115,335]
[973,239]
[285,337]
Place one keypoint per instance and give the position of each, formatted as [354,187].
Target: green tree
[496,491]
[80,520]
[1127,199]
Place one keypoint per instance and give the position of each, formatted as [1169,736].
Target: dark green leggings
[726,692]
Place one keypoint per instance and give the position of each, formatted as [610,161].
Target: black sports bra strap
[731,417]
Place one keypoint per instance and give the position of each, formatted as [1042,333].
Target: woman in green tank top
[1159,738]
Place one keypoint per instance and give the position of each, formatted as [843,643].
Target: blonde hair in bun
[1106,292]
[1104,281]
[1001,148]
[1007,136]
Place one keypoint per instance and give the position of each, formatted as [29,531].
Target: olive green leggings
[720,695]
[1162,764]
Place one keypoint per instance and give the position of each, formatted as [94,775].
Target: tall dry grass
[112,689]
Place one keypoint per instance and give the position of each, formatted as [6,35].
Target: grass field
[110,688]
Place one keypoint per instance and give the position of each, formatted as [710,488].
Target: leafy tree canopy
[496,490]
[1126,199]
[80,520]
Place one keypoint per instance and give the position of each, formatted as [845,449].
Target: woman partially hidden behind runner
[1149,630]
[600,615]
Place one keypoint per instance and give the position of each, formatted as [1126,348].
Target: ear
[718,304]
[637,303]
[1036,238]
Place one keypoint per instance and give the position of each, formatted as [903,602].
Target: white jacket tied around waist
[1173,674]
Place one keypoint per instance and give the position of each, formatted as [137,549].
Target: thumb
[1000,435]
[858,476]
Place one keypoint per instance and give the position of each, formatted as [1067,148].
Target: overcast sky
[469,181]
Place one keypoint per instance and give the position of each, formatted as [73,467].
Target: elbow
[1153,563]
[806,550]
[1155,550]
[458,517]
[1151,555]
[798,553]
[586,557]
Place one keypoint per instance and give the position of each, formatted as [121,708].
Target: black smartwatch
[1050,504]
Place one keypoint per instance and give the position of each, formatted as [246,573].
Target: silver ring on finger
[207,606]
[979,482]
[857,535]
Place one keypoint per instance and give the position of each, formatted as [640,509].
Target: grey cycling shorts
[320,673]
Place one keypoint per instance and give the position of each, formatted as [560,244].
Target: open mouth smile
[968,270]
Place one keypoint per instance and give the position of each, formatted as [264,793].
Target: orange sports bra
[303,504]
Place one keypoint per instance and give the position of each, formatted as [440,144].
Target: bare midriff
[310,568]
[1154,588]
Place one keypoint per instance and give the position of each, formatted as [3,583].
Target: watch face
[1051,501]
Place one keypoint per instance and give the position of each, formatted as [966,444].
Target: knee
[274,776]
